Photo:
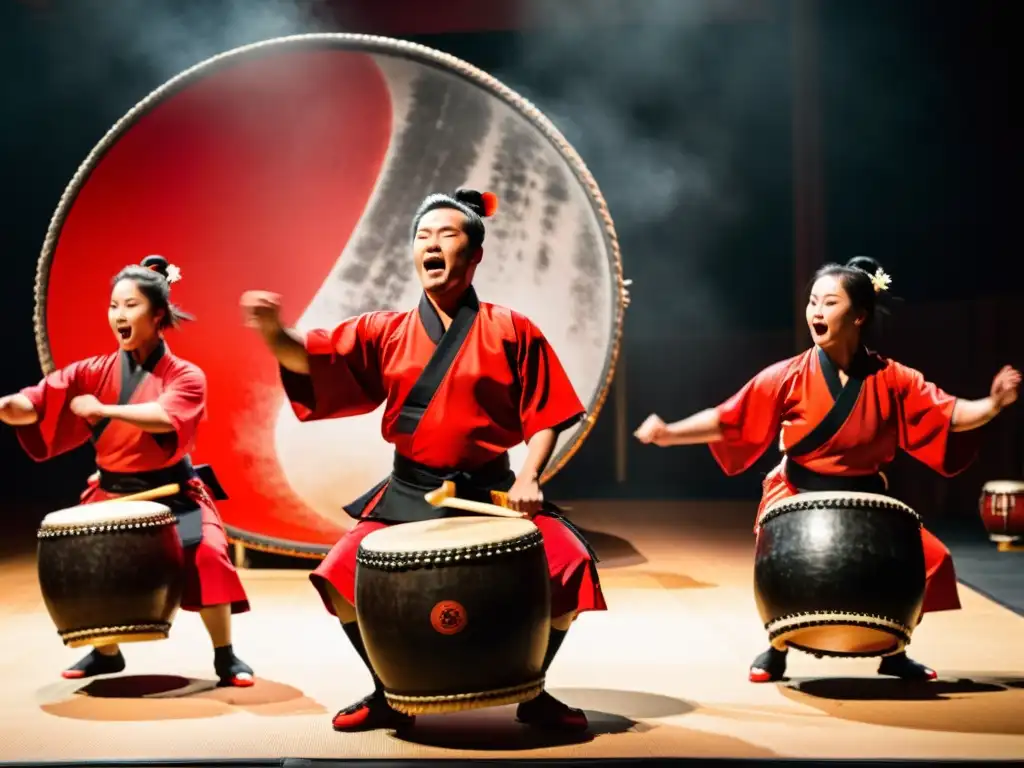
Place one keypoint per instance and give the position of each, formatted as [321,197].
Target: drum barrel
[115,582]
[851,565]
[456,629]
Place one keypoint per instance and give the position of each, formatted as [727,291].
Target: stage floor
[661,674]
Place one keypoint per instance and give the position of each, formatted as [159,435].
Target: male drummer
[463,381]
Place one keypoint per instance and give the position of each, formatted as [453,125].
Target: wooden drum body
[840,574]
[111,572]
[1002,510]
[455,613]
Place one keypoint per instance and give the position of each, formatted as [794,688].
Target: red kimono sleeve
[926,424]
[57,430]
[344,377]
[750,419]
[184,402]
[548,399]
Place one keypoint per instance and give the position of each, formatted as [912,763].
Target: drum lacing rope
[423,705]
[389,561]
[123,629]
[795,504]
[80,529]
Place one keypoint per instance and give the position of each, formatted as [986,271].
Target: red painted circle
[448,617]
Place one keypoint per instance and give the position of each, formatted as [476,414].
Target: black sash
[844,399]
[132,375]
[808,481]
[403,500]
[186,511]
[448,345]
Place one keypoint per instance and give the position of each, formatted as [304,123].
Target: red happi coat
[896,409]
[180,388]
[505,385]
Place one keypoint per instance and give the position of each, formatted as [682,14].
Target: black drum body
[111,578]
[840,574]
[457,627]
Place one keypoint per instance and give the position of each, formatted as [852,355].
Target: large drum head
[295,165]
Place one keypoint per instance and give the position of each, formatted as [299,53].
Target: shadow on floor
[963,703]
[144,698]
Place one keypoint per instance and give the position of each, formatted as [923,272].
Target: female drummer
[843,411]
[141,407]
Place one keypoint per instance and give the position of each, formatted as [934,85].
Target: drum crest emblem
[448,617]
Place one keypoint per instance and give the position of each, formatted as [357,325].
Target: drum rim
[370,44]
[822,499]
[155,511]
[424,558]
[1013,485]
[528,527]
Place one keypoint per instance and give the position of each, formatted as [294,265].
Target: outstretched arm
[17,410]
[972,414]
[700,428]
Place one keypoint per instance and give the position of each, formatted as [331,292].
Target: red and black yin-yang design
[295,165]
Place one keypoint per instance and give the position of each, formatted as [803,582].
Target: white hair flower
[881,281]
[173,273]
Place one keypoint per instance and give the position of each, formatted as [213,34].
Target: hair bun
[483,204]
[864,264]
[156,263]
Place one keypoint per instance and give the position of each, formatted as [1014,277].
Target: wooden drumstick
[445,497]
[153,493]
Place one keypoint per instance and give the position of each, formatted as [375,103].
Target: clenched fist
[262,310]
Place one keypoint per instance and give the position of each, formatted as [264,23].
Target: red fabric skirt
[941,593]
[574,582]
[210,576]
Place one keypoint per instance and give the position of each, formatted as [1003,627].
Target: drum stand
[1009,546]
[240,554]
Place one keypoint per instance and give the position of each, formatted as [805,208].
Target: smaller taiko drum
[455,613]
[840,573]
[111,572]
[1002,510]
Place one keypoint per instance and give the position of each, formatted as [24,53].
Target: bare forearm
[18,411]
[701,427]
[972,414]
[149,417]
[289,350]
[538,453]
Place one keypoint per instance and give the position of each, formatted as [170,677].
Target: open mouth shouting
[124,332]
[819,328]
[433,265]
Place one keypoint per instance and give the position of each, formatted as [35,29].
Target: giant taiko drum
[295,165]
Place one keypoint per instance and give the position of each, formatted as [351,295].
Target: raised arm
[328,374]
[972,414]
[262,311]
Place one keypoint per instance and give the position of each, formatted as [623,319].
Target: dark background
[739,144]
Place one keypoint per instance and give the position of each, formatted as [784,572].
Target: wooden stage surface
[661,674]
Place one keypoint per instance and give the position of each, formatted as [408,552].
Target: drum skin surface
[111,578]
[1002,510]
[840,574]
[459,626]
